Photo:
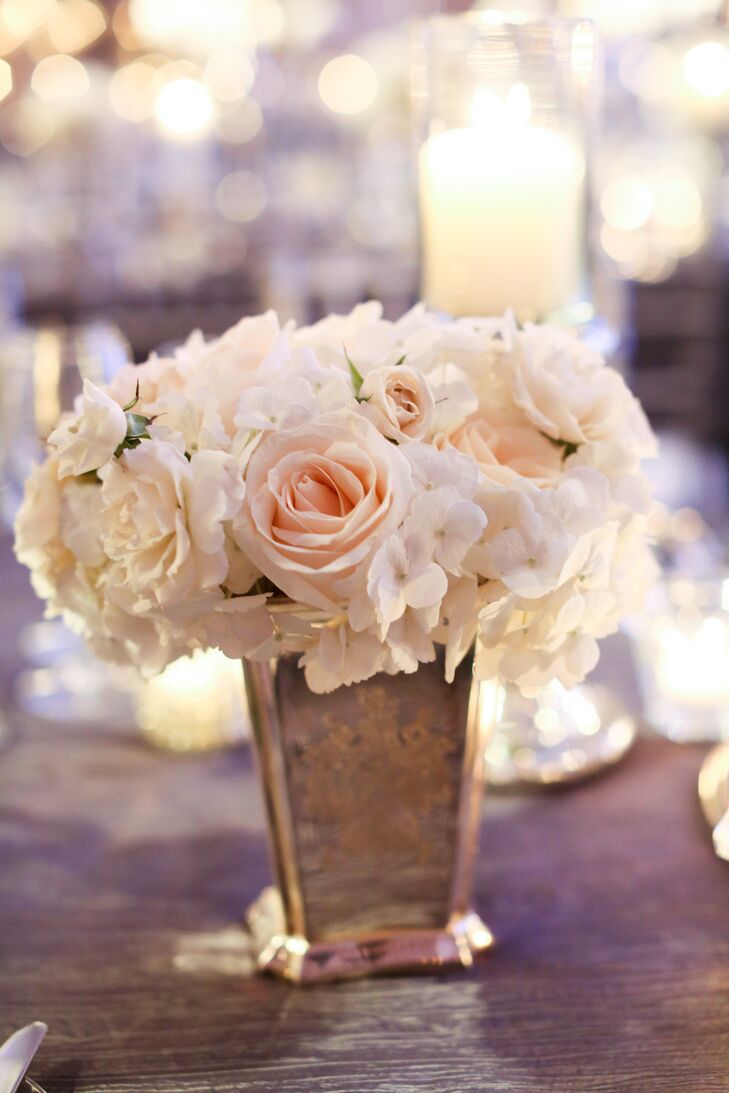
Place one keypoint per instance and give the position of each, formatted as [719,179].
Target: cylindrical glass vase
[505,110]
[373,799]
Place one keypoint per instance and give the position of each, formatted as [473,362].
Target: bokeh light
[706,69]
[655,207]
[60,76]
[6,79]
[191,26]
[241,196]
[9,40]
[348,84]
[74,25]
[229,74]
[307,23]
[627,203]
[22,17]
[31,125]
[676,199]
[123,28]
[183,108]
[648,69]
[621,18]
[133,90]
[268,22]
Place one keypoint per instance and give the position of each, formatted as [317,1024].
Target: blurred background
[172,163]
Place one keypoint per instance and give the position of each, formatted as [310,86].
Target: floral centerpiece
[359,499]
[418,483]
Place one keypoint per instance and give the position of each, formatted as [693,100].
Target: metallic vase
[373,797]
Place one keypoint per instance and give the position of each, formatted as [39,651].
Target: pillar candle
[502,207]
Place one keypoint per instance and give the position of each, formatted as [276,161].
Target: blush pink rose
[503,450]
[319,501]
[398,401]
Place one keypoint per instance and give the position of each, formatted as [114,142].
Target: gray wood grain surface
[124,874]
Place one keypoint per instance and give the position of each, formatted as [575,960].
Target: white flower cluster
[359,491]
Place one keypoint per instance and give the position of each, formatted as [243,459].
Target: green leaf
[129,443]
[137,425]
[401,361]
[357,377]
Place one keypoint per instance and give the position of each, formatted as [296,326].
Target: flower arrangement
[358,491]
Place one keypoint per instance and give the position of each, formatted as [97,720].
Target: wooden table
[124,873]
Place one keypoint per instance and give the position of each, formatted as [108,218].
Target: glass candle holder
[557,736]
[505,108]
[682,653]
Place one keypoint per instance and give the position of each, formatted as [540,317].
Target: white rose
[163,520]
[80,522]
[227,366]
[197,423]
[57,537]
[567,391]
[331,335]
[398,401]
[149,383]
[123,636]
[37,540]
[89,439]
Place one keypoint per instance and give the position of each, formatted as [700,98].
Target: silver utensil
[16,1055]
[32,1087]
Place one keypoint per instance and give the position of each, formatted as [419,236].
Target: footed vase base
[417,950]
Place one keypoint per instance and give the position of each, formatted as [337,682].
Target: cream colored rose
[227,366]
[398,401]
[319,501]
[566,390]
[38,543]
[162,521]
[57,536]
[88,439]
[157,377]
[206,373]
[502,450]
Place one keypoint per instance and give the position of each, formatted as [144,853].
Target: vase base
[418,950]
